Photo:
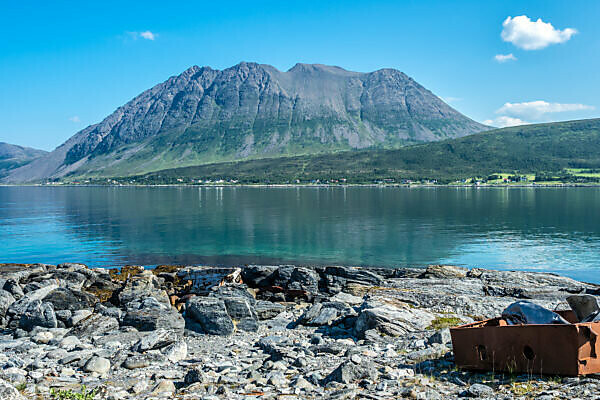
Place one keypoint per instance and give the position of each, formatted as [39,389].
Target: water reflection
[551,229]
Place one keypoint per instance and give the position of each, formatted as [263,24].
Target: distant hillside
[530,148]
[13,156]
[252,111]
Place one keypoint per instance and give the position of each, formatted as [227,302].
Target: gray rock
[441,337]
[155,340]
[78,316]
[95,325]
[142,286]
[479,390]
[267,310]
[348,372]
[8,391]
[6,299]
[155,318]
[96,364]
[164,387]
[144,360]
[390,320]
[194,375]
[38,313]
[176,351]
[13,287]
[210,315]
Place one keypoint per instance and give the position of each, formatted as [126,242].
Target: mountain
[253,111]
[542,148]
[13,156]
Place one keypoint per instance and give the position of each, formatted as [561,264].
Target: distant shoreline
[291,185]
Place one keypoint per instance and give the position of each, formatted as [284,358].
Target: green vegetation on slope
[553,151]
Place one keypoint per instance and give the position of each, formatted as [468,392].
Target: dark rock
[210,314]
[70,299]
[13,287]
[94,325]
[498,291]
[259,276]
[321,314]
[38,313]
[355,275]
[142,286]
[193,375]
[108,311]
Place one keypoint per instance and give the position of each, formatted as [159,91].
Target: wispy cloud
[75,119]
[502,58]
[529,35]
[148,35]
[534,110]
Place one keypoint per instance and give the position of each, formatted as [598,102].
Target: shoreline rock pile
[259,331]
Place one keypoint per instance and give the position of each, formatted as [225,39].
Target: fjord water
[539,229]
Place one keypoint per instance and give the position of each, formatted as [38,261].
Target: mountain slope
[254,111]
[13,156]
[530,148]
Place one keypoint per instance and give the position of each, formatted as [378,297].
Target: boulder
[142,286]
[326,313]
[355,275]
[95,325]
[297,278]
[6,299]
[267,310]
[259,276]
[152,319]
[16,309]
[350,371]
[445,271]
[144,360]
[70,299]
[210,315]
[390,320]
[78,316]
[13,287]
[38,313]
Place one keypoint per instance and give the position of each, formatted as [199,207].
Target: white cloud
[504,121]
[528,35]
[148,35]
[502,58]
[534,110]
[75,119]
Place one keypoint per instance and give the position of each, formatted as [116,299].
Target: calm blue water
[543,229]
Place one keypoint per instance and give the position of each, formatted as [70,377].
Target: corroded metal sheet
[492,345]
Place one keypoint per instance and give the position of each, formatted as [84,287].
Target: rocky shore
[266,332]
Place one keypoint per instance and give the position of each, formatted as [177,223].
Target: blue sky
[65,65]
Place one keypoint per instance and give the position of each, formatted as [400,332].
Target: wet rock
[38,313]
[210,316]
[96,364]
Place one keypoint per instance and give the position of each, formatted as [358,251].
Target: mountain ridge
[253,110]
[13,156]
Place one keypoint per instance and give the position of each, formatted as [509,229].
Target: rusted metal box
[492,345]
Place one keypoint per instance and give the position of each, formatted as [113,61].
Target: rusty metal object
[492,345]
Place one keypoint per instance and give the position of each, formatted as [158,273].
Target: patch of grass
[521,388]
[444,322]
[84,394]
